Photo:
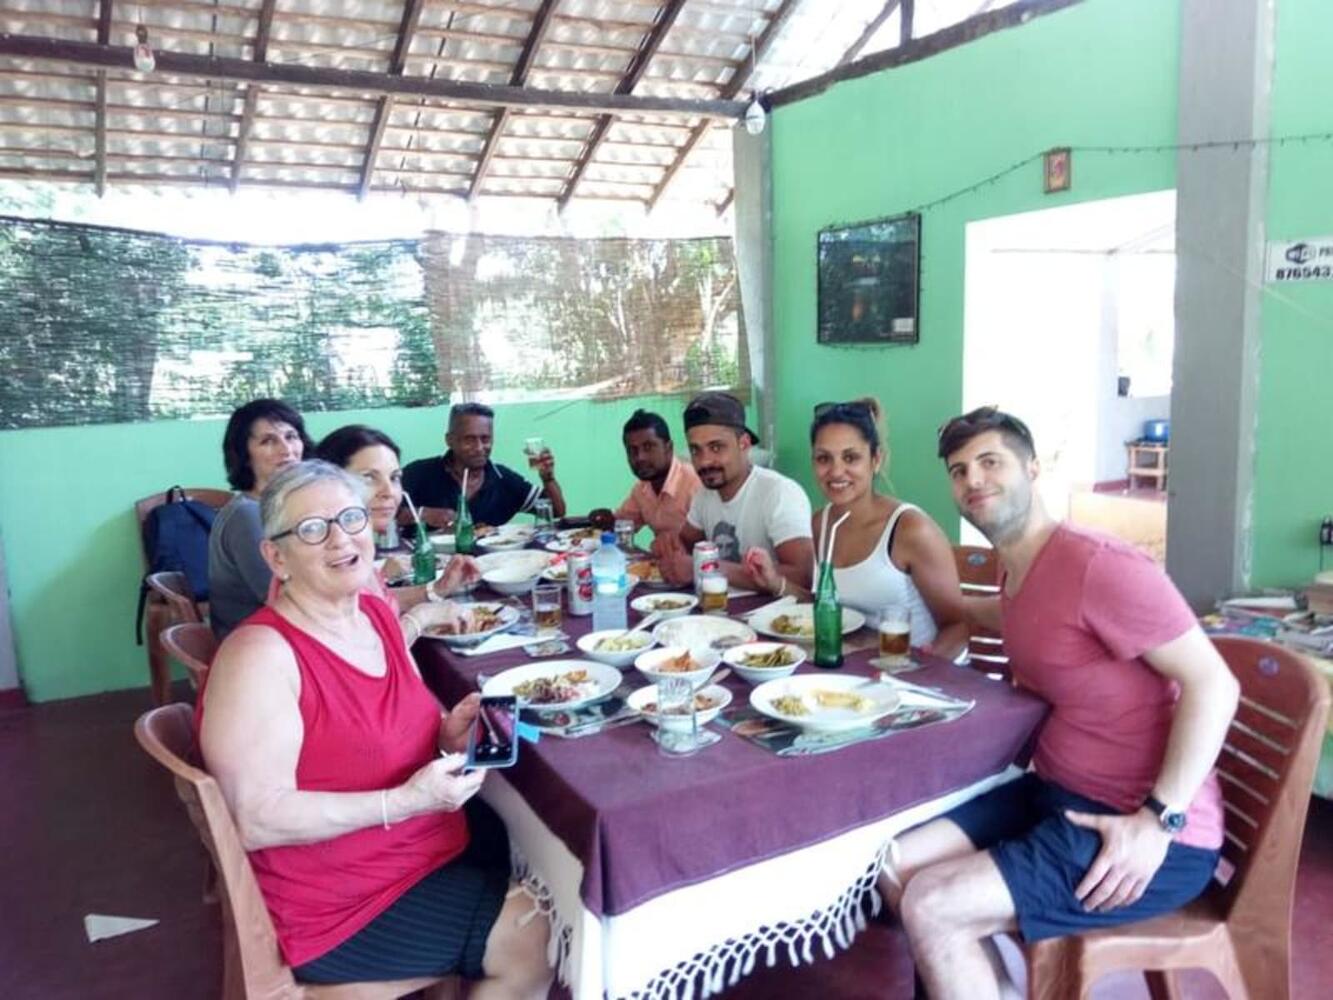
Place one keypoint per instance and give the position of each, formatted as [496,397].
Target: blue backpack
[175,536]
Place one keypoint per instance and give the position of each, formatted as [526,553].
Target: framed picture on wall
[870,282]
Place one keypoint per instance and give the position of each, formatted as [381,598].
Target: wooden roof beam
[222,69]
[733,89]
[407,27]
[252,93]
[638,66]
[541,21]
[103,38]
[868,32]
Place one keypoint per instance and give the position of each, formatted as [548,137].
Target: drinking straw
[823,536]
[412,507]
[464,493]
[833,535]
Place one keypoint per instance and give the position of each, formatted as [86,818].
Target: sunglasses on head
[314,530]
[855,406]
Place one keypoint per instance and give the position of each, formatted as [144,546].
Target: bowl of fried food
[664,605]
[758,662]
[616,647]
[697,665]
[708,703]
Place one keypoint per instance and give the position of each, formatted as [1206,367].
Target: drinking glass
[624,533]
[534,448]
[546,614]
[713,594]
[895,638]
[677,725]
[543,515]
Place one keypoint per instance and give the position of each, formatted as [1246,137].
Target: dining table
[671,878]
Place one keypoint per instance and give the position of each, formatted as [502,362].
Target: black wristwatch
[1170,820]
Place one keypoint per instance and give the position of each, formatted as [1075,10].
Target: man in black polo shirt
[495,493]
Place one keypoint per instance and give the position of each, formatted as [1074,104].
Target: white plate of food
[616,647]
[508,536]
[555,683]
[823,702]
[708,703]
[557,571]
[796,622]
[646,572]
[574,538]
[487,618]
[703,632]
[671,605]
[759,662]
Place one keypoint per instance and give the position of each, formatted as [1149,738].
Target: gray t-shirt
[238,577]
[768,510]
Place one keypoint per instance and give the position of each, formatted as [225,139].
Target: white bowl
[647,604]
[649,664]
[717,695]
[758,675]
[617,658]
[512,573]
[444,542]
[514,581]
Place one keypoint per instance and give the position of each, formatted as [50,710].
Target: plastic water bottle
[610,584]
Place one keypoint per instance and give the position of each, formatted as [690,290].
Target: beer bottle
[465,535]
[423,557]
[828,620]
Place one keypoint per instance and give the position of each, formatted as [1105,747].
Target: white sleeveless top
[875,583]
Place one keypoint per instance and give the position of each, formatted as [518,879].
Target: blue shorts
[1043,857]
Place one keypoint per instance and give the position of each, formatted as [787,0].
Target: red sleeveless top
[362,733]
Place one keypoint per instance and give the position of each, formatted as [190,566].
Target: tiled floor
[92,826]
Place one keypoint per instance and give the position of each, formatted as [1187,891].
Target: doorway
[1069,324]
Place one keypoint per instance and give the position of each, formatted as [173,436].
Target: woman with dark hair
[888,552]
[262,437]
[372,456]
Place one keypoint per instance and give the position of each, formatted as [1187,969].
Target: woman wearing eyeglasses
[374,457]
[343,776]
[888,552]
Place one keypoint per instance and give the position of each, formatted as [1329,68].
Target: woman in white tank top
[888,552]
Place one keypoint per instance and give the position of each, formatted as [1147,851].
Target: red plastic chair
[193,645]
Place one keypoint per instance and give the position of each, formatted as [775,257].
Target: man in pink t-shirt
[1120,818]
[666,485]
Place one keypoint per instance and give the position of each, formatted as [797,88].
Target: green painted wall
[1294,460]
[1101,73]
[70,540]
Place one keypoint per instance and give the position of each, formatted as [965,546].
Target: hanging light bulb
[144,60]
[755,116]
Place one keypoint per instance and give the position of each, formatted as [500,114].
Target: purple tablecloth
[642,825]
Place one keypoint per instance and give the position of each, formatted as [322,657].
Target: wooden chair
[1240,928]
[158,612]
[192,644]
[170,601]
[979,573]
[252,966]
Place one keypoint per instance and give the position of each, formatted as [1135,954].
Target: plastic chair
[169,601]
[193,645]
[1240,928]
[979,573]
[252,964]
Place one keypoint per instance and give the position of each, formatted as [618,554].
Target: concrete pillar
[753,208]
[1226,57]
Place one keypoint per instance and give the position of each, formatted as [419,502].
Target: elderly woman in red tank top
[346,779]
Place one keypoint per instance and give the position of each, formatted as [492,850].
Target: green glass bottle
[423,557]
[465,534]
[828,620]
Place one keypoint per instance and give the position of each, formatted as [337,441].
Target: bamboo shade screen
[111,326]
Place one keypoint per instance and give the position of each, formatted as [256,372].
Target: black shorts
[439,926]
[1043,857]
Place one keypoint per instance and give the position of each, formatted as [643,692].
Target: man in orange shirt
[666,484]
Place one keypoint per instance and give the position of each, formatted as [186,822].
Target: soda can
[579,574]
[706,560]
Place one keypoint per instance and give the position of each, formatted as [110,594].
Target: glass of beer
[546,607]
[534,448]
[713,594]
[895,638]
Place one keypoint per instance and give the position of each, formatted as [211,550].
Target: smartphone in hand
[493,741]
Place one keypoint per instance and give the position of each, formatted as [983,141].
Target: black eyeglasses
[313,530]
[855,406]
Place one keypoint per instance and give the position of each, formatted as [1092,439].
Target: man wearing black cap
[740,507]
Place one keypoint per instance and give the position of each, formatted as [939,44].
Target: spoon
[648,620]
[717,678]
